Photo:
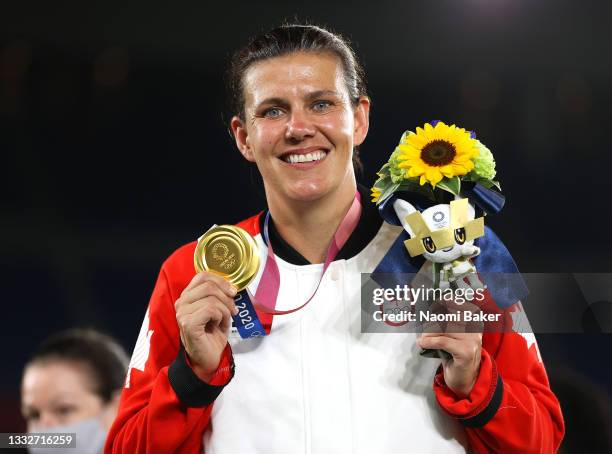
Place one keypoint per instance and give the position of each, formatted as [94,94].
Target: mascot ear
[403,209]
[471,211]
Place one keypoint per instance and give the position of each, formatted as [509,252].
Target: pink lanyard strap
[269,284]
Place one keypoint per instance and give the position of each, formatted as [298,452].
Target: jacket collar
[367,227]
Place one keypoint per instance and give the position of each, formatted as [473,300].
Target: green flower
[397,174]
[484,164]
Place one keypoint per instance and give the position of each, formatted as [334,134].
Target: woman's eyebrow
[63,398]
[321,93]
[272,101]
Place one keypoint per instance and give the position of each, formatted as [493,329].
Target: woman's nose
[299,127]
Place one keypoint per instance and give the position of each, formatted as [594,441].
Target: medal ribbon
[268,287]
[266,295]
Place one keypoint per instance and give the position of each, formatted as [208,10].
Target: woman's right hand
[203,314]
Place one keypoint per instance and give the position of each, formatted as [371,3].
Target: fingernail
[235,310]
[233,290]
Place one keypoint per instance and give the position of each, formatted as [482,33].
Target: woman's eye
[273,113]
[429,245]
[65,410]
[321,105]
[31,416]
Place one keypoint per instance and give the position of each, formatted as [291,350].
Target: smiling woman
[313,382]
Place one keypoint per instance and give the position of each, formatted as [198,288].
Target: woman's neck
[308,227]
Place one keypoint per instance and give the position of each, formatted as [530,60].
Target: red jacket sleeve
[164,406]
[511,407]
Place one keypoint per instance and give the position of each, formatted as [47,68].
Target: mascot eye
[429,245]
[460,235]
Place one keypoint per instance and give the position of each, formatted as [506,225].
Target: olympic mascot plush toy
[445,235]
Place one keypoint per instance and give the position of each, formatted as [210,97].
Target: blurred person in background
[72,384]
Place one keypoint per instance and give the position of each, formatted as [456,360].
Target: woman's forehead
[56,375]
[293,75]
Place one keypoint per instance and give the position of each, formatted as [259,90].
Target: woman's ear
[242,138]
[362,120]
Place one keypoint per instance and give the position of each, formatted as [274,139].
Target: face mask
[90,438]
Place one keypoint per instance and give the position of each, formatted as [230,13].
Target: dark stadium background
[114,149]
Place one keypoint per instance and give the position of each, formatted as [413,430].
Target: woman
[314,383]
[72,383]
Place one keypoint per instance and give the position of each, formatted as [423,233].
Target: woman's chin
[307,191]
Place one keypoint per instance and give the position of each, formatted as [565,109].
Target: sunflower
[436,152]
[376,192]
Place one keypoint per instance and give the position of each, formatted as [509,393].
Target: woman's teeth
[308,157]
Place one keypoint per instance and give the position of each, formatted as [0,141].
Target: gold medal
[229,251]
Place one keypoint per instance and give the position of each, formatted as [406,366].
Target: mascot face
[441,233]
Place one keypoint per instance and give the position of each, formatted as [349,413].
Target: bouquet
[436,158]
[433,185]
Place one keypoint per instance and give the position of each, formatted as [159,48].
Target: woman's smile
[304,158]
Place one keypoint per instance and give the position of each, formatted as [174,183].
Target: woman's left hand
[461,370]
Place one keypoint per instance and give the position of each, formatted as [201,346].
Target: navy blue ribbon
[246,321]
[488,200]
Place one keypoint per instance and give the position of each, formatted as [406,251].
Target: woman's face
[56,393]
[300,126]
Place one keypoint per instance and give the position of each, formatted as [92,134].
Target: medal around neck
[228,251]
